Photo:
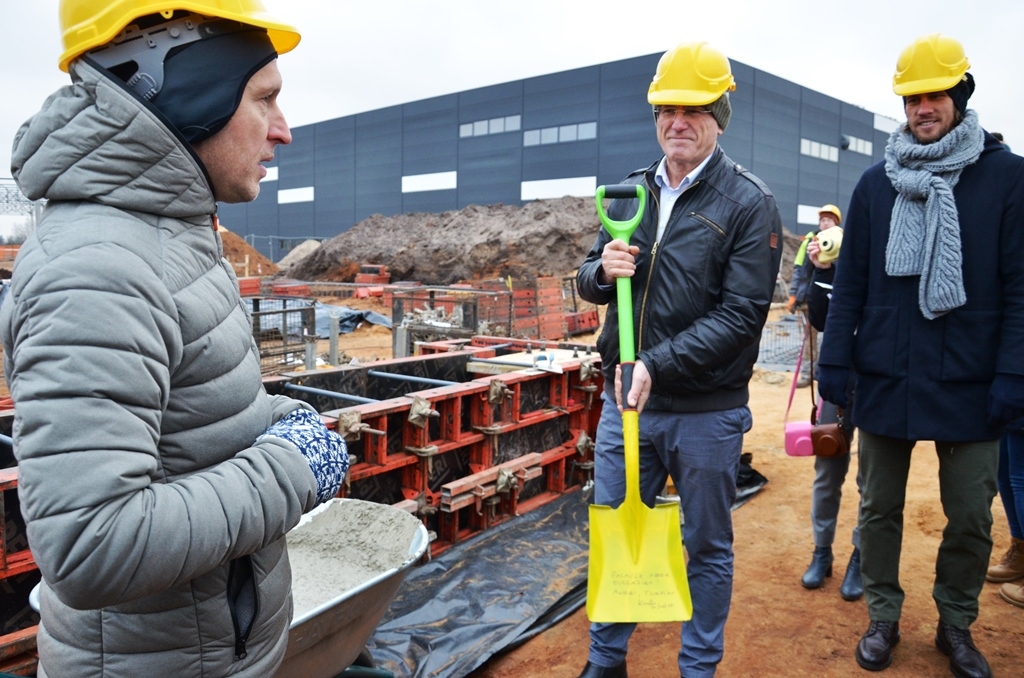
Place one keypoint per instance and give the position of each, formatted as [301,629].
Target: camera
[829,240]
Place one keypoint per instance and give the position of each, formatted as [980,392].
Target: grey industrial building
[546,137]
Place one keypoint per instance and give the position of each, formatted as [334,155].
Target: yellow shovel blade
[636,572]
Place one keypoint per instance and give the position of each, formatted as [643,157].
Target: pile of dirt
[542,238]
[297,254]
[246,260]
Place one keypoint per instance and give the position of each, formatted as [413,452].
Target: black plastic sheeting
[479,597]
[497,590]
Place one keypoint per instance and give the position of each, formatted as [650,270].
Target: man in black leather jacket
[703,263]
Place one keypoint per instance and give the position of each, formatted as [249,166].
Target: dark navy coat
[920,379]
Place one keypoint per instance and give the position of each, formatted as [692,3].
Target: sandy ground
[778,628]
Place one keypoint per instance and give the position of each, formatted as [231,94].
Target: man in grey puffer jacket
[157,478]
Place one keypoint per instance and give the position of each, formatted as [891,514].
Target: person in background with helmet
[927,312]
[829,472]
[157,477]
[704,261]
[829,216]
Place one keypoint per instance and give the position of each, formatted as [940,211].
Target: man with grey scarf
[927,312]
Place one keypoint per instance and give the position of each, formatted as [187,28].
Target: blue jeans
[701,451]
[1011,480]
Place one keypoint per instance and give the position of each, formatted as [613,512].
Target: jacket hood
[94,141]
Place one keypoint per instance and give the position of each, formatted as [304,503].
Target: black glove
[324,450]
[1005,399]
[832,382]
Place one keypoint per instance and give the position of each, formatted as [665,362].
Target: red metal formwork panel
[514,440]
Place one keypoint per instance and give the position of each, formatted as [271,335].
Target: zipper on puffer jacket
[243,601]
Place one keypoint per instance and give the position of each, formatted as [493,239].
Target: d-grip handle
[626,191]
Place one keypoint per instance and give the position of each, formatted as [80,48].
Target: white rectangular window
[885,124]
[816,149]
[581,187]
[549,135]
[289,195]
[271,175]
[587,130]
[436,181]
[807,214]
[511,123]
[862,146]
[466,130]
[531,137]
[479,128]
[496,126]
[567,133]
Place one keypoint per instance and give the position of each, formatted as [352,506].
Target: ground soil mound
[246,260]
[542,238]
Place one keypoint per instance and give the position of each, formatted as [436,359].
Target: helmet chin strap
[148,48]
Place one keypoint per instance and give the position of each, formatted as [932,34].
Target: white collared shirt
[669,195]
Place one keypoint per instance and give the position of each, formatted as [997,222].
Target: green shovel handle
[622,230]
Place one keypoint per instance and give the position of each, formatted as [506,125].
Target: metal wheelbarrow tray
[332,622]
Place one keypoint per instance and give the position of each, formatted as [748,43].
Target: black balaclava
[204,80]
[959,93]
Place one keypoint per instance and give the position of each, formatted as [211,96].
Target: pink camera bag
[798,433]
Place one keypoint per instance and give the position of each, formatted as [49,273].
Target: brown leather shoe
[1012,593]
[1011,566]
[965,661]
[874,651]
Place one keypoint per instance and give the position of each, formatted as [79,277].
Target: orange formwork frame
[474,418]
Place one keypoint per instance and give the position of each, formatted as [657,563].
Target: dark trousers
[967,486]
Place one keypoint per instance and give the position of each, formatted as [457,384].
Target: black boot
[965,661]
[852,588]
[874,651]
[820,567]
[595,671]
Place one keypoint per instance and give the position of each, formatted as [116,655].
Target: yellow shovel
[636,572]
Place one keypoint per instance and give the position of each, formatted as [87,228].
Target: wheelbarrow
[327,638]
[328,634]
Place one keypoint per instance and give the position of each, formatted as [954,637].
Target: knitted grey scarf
[924,233]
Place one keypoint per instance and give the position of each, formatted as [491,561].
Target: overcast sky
[359,56]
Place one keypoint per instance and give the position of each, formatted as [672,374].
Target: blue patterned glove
[1006,399]
[832,382]
[323,449]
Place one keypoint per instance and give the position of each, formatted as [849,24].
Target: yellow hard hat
[933,63]
[87,24]
[833,210]
[692,74]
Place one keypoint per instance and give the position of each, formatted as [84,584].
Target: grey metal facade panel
[561,98]
[490,169]
[430,130]
[335,176]
[558,161]
[378,180]
[297,161]
[235,218]
[297,220]
[485,103]
[430,201]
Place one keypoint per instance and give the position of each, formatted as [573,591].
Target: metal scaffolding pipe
[329,394]
[406,377]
